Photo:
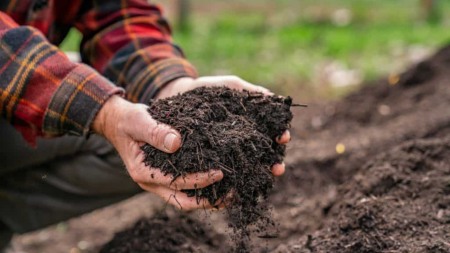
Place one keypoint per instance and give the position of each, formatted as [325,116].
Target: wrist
[107,113]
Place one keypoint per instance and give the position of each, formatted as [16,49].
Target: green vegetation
[298,46]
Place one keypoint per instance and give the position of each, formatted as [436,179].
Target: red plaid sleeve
[42,92]
[129,42]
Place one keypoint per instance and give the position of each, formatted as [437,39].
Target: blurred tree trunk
[431,11]
[184,13]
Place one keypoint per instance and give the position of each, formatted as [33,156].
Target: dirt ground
[370,173]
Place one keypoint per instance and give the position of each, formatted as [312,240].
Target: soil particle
[231,131]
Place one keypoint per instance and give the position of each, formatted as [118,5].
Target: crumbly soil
[228,130]
[388,191]
[164,233]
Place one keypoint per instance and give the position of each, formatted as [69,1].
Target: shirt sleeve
[130,43]
[41,92]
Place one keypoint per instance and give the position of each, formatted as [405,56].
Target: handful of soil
[228,130]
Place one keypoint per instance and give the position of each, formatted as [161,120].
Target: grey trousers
[62,178]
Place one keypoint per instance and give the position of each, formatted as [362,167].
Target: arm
[42,92]
[130,43]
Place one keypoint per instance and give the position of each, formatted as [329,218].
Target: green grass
[289,45]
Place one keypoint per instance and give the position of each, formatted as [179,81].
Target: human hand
[128,126]
[185,84]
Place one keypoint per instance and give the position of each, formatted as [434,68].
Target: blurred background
[311,49]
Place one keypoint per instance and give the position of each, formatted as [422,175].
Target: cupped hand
[185,84]
[128,126]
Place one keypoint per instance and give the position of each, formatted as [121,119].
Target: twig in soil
[308,243]
[299,105]
[226,168]
[173,195]
[214,191]
[255,95]
[253,145]
[176,175]
[245,109]
[173,166]
[267,236]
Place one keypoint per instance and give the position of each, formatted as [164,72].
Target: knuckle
[153,132]
[235,79]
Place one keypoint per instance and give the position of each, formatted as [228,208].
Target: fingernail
[215,176]
[170,141]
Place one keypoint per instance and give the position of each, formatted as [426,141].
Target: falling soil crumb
[231,131]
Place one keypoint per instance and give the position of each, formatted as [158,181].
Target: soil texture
[171,234]
[232,131]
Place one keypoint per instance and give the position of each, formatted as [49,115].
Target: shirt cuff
[158,75]
[77,101]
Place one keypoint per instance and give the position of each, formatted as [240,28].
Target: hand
[185,84]
[128,126]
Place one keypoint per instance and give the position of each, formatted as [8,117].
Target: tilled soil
[164,233]
[394,169]
[398,202]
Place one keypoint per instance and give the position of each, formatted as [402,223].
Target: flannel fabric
[43,94]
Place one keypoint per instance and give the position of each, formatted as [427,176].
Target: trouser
[61,178]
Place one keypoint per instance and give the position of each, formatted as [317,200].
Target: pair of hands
[128,126]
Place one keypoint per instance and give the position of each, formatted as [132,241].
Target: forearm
[133,48]
[42,92]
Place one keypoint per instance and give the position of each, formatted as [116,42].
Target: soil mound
[399,202]
[171,234]
[412,107]
[228,130]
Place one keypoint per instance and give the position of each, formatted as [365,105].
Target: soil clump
[231,131]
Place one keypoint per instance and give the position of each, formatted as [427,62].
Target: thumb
[144,128]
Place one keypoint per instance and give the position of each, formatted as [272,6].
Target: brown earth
[232,131]
[386,190]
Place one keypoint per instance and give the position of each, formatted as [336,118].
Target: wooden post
[184,11]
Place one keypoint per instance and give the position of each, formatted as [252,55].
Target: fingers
[145,175]
[180,199]
[142,127]
[252,87]
[232,82]
[197,180]
[278,169]
[191,181]
[284,138]
[177,198]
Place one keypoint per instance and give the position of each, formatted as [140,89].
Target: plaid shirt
[43,94]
